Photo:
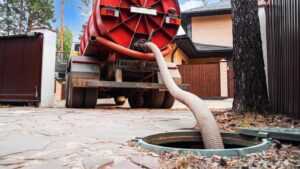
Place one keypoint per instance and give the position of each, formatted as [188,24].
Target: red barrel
[125,22]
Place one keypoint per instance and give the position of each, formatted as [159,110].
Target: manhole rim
[286,134]
[265,144]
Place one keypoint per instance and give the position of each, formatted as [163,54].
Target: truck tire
[136,101]
[90,97]
[120,100]
[169,101]
[74,96]
[154,99]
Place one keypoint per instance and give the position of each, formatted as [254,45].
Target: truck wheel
[136,101]
[120,100]
[169,101]
[74,96]
[90,97]
[154,99]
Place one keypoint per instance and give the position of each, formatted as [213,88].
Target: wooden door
[204,79]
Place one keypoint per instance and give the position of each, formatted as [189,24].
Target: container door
[20,68]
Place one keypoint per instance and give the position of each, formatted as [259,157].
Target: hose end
[93,38]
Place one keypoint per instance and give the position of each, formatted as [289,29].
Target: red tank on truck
[113,61]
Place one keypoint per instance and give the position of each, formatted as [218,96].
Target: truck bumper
[126,85]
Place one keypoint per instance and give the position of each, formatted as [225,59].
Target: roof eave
[207,13]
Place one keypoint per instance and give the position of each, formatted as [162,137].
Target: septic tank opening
[196,145]
[191,143]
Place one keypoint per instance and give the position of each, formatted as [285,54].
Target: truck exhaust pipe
[208,126]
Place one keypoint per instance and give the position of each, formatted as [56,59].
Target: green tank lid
[285,134]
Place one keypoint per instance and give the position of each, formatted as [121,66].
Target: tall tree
[82,30]
[88,3]
[8,17]
[205,2]
[250,93]
[20,16]
[68,40]
[87,9]
[61,29]
[39,12]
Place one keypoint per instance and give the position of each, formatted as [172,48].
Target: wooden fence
[204,79]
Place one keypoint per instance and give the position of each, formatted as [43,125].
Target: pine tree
[8,17]
[68,40]
[20,16]
[205,2]
[39,12]
[250,93]
[87,9]
[82,30]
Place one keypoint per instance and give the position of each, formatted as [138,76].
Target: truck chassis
[88,79]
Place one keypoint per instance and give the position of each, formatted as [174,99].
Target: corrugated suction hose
[206,121]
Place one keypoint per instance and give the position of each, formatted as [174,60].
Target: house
[209,41]
[211,26]
[206,47]
[208,33]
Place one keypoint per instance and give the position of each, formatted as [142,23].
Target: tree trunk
[250,91]
[21,16]
[30,22]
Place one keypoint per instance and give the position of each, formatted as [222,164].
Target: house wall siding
[179,56]
[213,30]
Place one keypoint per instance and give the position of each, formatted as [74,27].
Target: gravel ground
[55,138]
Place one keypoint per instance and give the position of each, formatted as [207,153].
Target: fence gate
[204,79]
[21,68]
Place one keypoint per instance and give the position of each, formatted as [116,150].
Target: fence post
[223,78]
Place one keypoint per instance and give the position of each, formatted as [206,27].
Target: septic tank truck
[122,52]
[113,61]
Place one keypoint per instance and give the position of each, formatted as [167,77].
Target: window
[77,46]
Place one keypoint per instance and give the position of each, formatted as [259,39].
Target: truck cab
[75,49]
[61,61]
[60,66]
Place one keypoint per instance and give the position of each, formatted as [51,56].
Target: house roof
[198,50]
[223,7]
[211,48]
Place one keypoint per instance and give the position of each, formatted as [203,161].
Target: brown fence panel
[20,68]
[204,79]
[283,18]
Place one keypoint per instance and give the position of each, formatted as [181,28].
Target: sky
[75,17]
